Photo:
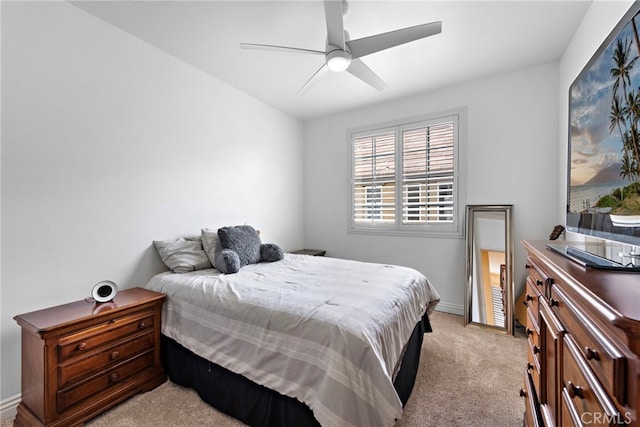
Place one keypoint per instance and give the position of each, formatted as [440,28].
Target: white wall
[108,144]
[511,158]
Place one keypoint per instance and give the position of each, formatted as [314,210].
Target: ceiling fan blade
[335,24]
[280,48]
[313,78]
[372,44]
[364,73]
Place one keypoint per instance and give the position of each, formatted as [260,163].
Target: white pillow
[210,243]
[183,254]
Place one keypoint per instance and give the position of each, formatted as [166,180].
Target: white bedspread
[326,331]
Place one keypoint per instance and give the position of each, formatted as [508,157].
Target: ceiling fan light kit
[342,54]
[338,60]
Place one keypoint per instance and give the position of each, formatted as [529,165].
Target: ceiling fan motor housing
[337,59]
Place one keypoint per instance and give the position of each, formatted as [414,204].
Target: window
[405,177]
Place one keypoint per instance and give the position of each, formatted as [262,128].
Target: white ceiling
[478,39]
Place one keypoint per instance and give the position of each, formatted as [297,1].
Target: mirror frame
[509,286]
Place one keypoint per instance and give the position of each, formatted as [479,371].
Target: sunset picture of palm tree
[604,168]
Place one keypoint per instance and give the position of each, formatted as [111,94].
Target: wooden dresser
[583,328]
[82,358]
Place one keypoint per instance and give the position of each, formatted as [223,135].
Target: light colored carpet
[467,377]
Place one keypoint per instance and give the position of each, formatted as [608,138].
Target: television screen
[604,139]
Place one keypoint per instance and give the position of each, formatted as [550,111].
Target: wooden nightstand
[314,252]
[80,359]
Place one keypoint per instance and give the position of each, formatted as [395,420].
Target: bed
[302,341]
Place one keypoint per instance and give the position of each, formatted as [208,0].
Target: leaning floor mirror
[489,288]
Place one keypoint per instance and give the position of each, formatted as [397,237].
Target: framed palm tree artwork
[603,197]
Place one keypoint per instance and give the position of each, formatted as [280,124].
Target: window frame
[454,229]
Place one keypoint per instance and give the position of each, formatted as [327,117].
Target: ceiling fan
[342,54]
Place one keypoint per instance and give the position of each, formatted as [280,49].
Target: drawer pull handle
[554,302]
[529,367]
[82,346]
[529,331]
[539,282]
[522,393]
[591,354]
[115,355]
[114,377]
[527,266]
[536,349]
[142,325]
[575,390]
[529,297]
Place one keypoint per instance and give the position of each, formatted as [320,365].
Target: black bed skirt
[256,405]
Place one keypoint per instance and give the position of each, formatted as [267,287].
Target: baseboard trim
[9,407]
[446,307]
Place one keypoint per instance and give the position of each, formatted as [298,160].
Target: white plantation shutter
[374,160]
[404,178]
[428,174]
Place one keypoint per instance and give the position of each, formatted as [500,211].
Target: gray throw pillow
[244,240]
[271,252]
[228,261]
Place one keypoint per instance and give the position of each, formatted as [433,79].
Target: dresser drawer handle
[575,390]
[539,282]
[536,349]
[529,331]
[529,297]
[522,393]
[114,355]
[591,354]
[527,266]
[142,325]
[529,366]
[554,302]
[82,346]
[114,377]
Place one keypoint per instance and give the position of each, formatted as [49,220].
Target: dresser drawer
[532,298]
[533,367]
[584,401]
[79,368]
[75,394]
[539,278]
[604,359]
[97,336]
[533,334]
[532,406]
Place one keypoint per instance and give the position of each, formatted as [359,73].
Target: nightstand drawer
[78,369]
[117,375]
[104,334]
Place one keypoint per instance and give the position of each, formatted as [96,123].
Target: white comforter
[326,331]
